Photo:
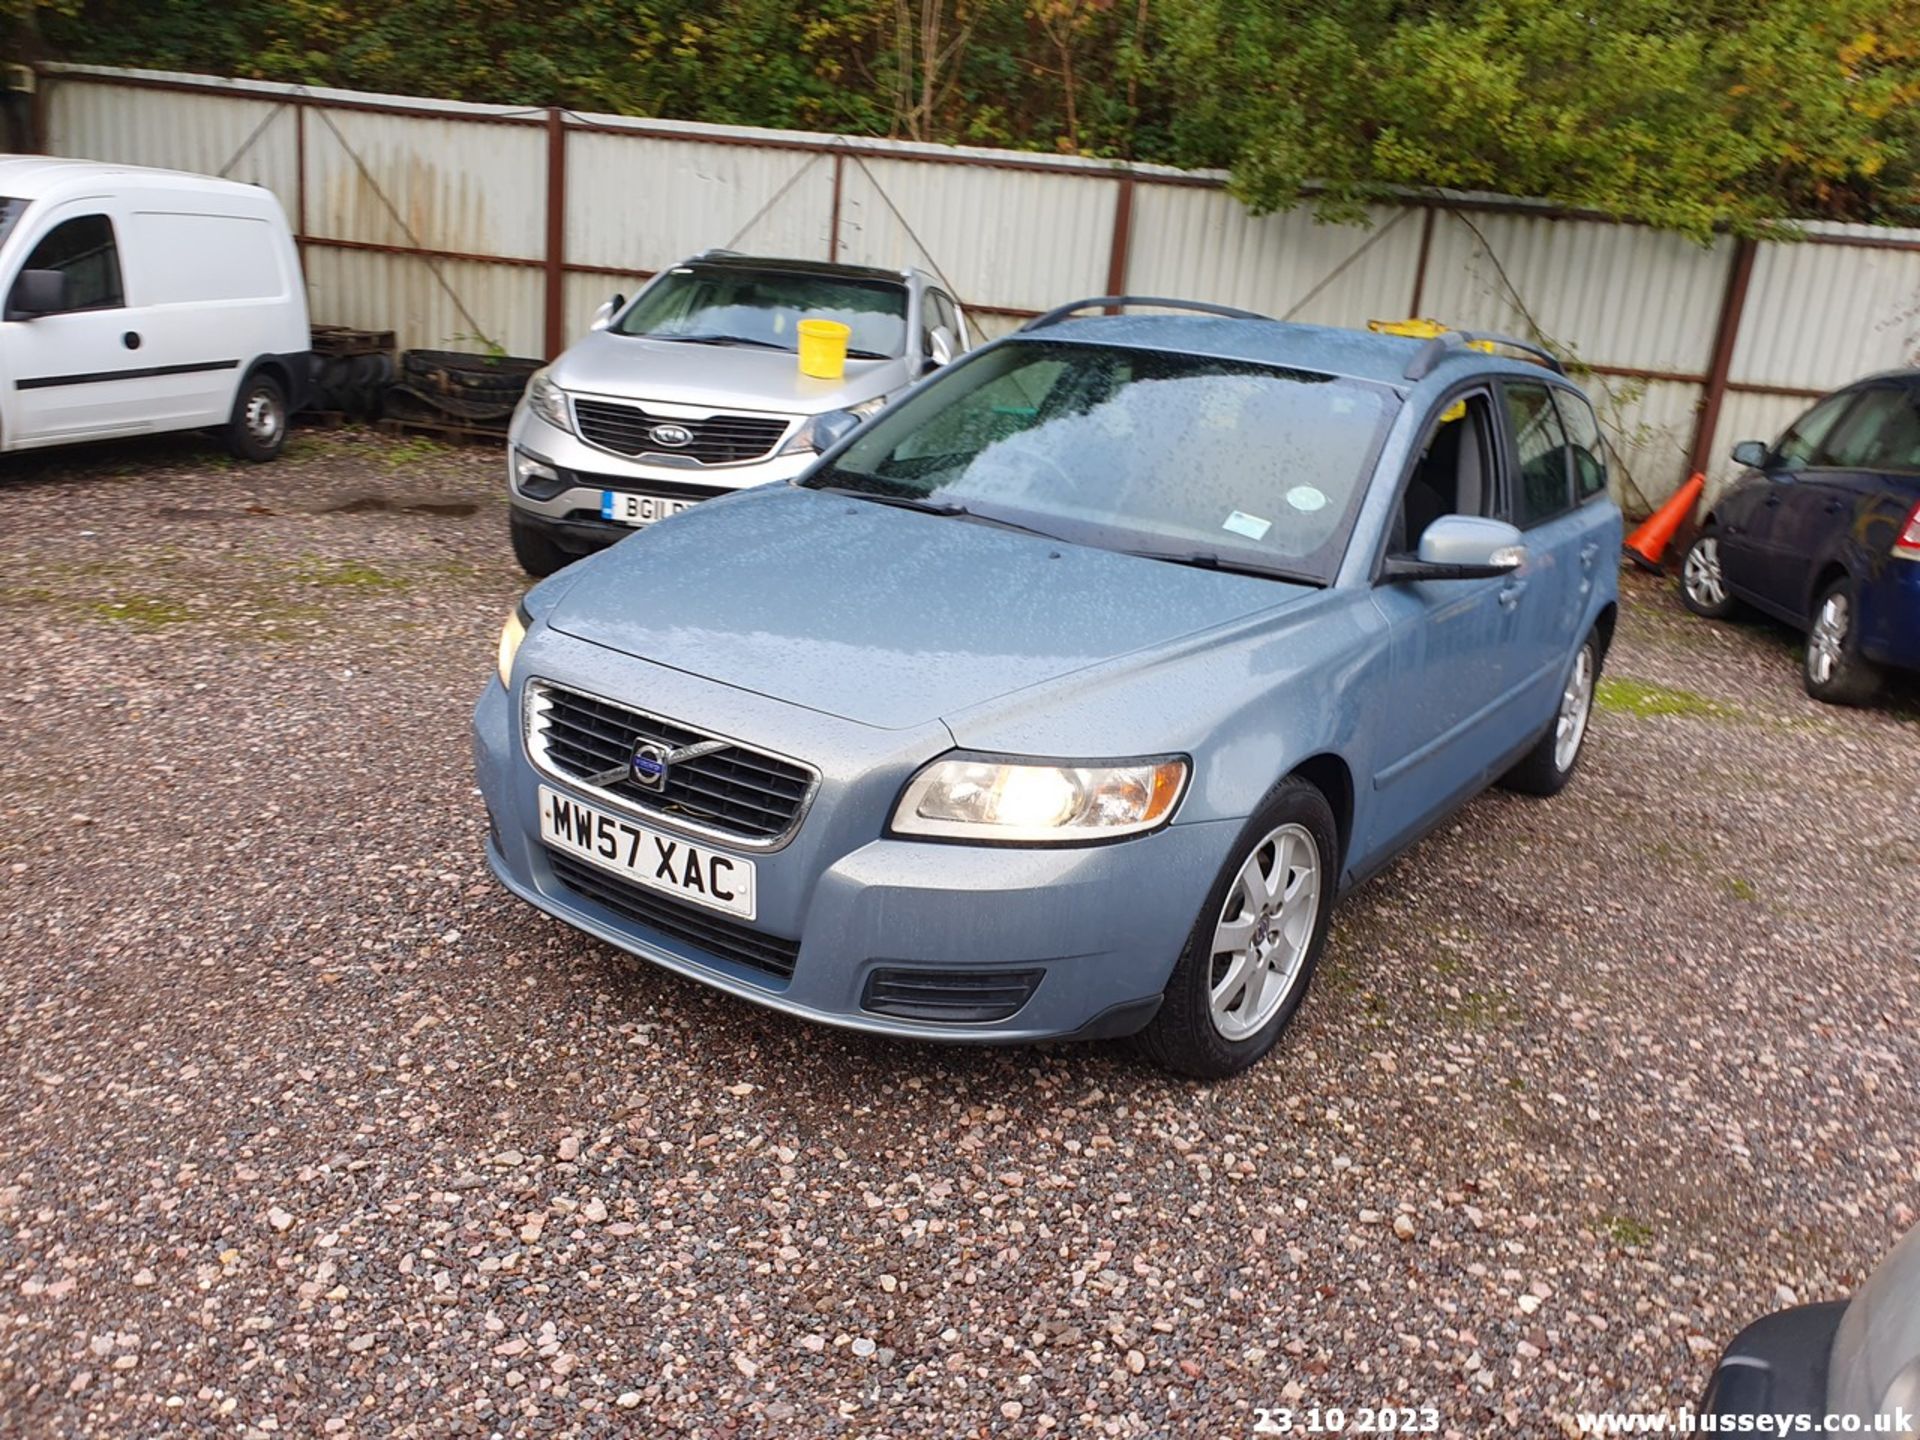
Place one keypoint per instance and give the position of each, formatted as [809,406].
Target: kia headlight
[511,634]
[807,438]
[1037,802]
[548,400]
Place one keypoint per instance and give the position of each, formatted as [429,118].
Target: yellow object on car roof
[1428,330]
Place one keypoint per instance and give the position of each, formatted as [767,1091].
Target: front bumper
[1102,925]
[571,515]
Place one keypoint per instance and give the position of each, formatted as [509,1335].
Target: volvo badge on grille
[678,436]
[652,761]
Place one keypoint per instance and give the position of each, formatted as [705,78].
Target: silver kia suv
[694,389]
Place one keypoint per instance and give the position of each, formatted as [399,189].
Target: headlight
[548,400]
[511,634]
[1039,803]
[807,437]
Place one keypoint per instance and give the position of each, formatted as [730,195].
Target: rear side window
[1881,432]
[192,259]
[83,250]
[1540,489]
[1585,449]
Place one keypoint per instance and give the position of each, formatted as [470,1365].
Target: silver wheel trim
[1701,574]
[1576,704]
[1827,642]
[263,418]
[1265,927]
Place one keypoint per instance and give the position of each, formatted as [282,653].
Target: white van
[145,300]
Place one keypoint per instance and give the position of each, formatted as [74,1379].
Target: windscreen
[718,304]
[1176,455]
[10,212]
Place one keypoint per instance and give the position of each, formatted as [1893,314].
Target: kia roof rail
[1064,312]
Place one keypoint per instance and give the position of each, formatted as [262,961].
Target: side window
[1540,489]
[1584,446]
[1881,432]
[1800,446]
[1451,475]
[83,250]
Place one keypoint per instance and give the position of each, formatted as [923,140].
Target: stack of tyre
[456,390]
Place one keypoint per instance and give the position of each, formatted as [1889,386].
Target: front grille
[736,792]
[717,440]
[951,997]
[715,934]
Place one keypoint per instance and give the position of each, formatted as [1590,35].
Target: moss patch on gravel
[1643,698]
[148,610]
[1625,1230]
[354,574]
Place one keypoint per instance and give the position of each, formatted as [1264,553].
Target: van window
[191,259]
[11,210]
[82,248]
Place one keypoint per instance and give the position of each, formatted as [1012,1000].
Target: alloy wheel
[1701,574]
[1265,928]
[1827,642]
[1576,705]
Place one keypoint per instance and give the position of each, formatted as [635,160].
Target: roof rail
[1063,312]
[1437,349]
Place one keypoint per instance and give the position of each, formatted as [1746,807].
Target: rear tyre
[1548,767]
[1834,670]
[258,429]
[1703,588]
[537,554]
[1253,950]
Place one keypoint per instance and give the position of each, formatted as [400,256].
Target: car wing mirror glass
[1751,453]
[833,427]
[37,293]
[603,317]
[1462,547]
[940,345]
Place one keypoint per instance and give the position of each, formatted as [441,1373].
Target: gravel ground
[308,1128]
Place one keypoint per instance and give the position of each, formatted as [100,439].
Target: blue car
[1822,530]
[1064,697]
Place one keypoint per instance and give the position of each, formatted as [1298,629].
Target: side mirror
[37,293]
[1462,547]
[603,317]
[1750,453]
[833,427]
[941,345]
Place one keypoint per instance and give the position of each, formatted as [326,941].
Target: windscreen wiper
[944,508]
[723,340]
[1213,560]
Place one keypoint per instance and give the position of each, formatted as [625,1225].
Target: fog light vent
[950,997]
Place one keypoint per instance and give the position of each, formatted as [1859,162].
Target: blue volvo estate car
[1822,530]
[1066,696]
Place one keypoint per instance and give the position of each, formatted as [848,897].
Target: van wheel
[258,429]
[1253,950]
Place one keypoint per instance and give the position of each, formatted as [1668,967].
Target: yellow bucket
[823,348]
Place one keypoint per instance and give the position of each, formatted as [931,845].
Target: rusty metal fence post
[556,258]
[1720,367]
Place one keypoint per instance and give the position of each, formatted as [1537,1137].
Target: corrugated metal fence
[462,225]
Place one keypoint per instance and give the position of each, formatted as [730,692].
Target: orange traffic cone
[1649,542]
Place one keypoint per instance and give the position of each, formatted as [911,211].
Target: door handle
[1834,507]
[1510,596]
[1773,502]
[1587,553]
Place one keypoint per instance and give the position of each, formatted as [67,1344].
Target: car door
[1758,544]
[1449,638]
[67,368]
[1545,593]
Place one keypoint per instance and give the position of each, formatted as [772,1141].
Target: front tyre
[1834,669]
[537,554]
[1548,767]
[1703,586]
[1246,965]
[258,429]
